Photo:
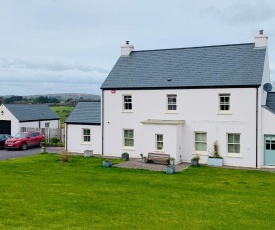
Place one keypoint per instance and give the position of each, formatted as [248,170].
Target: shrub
[59,144]
[54,140]
[65,156]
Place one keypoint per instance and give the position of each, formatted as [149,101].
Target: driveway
[8,154]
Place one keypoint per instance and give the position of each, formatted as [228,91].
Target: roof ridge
[194,47]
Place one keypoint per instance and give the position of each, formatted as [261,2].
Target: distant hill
[66,96]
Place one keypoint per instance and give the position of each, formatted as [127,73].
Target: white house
[179,101]
[17,117]
[83,128]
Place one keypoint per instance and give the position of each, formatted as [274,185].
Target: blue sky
[70,46]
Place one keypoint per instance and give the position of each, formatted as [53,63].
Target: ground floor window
[200,141]
[159,141]
[128,137]
[47,125]
[233,142]
[86,135]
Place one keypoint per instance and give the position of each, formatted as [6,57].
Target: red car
[23,140]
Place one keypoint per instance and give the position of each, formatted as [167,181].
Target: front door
[269,153]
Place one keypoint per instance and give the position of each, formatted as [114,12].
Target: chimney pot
[126,49]
[261,40]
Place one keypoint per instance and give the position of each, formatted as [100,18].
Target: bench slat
[158,157]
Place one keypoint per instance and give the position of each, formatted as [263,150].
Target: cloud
[20,77]
[55,67]
[241,13]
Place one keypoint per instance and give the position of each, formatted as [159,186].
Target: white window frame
[201,152]
[126,104]
[47,124]
[86,137]
[157,142]
[223,103]
[236,154]
[125,138]
[171,103]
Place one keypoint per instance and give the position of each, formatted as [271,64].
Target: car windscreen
[20,135]
[1,137]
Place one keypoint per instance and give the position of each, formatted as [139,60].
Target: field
[63,112]
[40,192]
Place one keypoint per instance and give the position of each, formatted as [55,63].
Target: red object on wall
[113,91]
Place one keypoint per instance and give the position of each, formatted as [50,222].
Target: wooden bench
[158,158]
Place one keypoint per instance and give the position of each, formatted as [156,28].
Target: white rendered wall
[199,109]
[268,119]
[54,124]
[265,79]
[30,124]
[10,117]
[74,139]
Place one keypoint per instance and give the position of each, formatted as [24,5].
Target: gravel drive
[8,154]
[135,163]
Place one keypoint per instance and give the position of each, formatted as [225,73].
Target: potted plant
[195,160]
[43,146]
[171,160]
[215,159]
[170,169]
[107,163]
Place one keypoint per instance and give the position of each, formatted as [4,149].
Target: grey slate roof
[209,66]
[34,112]
[86,113]
[270,102]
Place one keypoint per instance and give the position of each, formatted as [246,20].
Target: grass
[63,112]
[40,192]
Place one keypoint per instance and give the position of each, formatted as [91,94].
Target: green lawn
[63,112]
[40,192]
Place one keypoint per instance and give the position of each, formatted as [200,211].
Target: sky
[70,46]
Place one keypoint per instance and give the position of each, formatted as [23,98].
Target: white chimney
[126,49]
[261,40]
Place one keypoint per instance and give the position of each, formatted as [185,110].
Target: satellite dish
[267,87]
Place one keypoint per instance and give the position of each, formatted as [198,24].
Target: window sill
[159,151]
[201,153]
[86,143]
[224,113]
[128,148]
[171,112]
[127,111]
[234,155]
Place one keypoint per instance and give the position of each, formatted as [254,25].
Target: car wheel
[24,146]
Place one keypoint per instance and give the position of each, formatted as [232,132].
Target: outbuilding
[83,128]
[18,117]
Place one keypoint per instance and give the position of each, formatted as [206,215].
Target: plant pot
[170,169]
[107,164]
[88,153]
[43,149]
[215,161]
[195,162]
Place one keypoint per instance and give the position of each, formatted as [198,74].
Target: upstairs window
[171,102]
[128,137]
[47,125]
[127,102]
[86,135]
[224,102]
[159,141]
